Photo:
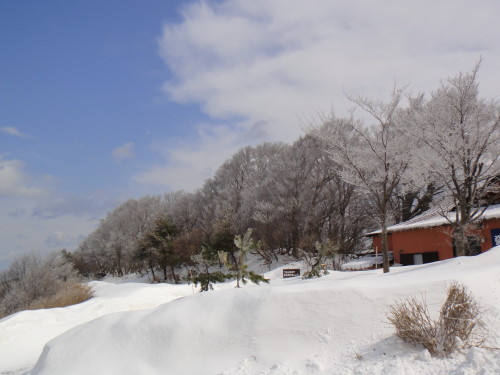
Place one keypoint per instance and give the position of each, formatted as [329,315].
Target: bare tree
[409,203]
[375,158]
[459,137]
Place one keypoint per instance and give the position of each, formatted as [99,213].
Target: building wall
[432,239]
[377,243]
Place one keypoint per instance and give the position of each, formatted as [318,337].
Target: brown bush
[459,325]
[73,293]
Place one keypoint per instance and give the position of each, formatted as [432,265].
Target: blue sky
[101,101]
[81,78]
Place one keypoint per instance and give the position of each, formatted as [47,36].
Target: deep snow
[332,325]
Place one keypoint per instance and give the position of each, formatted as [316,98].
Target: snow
[363,263]
[433,218]
[332,325]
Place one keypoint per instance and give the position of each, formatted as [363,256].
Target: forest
[318,196]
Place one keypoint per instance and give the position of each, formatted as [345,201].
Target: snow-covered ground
[332,325]
[363,263]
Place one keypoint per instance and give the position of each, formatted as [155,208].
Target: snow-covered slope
[23,335]
[332,325]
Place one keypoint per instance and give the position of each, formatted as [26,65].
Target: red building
[427,238]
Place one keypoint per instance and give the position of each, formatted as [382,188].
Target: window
[495,237]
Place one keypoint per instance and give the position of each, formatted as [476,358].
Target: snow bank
[332,325]
[23,335]
[363,263]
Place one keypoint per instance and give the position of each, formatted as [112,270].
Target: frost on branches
[374,158]
[458,138]
[446,146]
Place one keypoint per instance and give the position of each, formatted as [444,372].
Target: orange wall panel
[422,241]
[431,239]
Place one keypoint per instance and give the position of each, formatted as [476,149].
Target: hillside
[332,325]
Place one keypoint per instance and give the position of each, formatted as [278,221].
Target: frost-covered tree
[230,193]
[458,134]
[32,277]
[409,203]
[110,249]
[286,198]
[374,158]
[303,200]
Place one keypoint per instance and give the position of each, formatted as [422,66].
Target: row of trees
[290,195]
[448,143]
[329,187]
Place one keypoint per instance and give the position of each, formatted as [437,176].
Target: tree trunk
[238,276]
[164,268]
[385,248]
[172,271]
[460,241]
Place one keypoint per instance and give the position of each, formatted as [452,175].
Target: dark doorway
[406,259]
[419,258]
[433,256]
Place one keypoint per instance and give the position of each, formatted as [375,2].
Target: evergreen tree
[157,249]
[206,260]
[239,269]
[317,259]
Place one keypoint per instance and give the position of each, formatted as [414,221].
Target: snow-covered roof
[433,218]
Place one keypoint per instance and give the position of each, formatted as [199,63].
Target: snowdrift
[332,325]
[23,335]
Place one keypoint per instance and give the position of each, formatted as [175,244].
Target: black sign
[291,272]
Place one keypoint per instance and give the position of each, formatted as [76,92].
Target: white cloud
[123,152]
[13,131]
[58,240]
[92,205]
[15,182]
[188,164]
[26,231]
[279,62]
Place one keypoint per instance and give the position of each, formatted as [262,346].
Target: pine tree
[156,248]
[205,277]
[238,268]
[317,259]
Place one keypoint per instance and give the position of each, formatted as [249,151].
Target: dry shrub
[72,293]
[459,325]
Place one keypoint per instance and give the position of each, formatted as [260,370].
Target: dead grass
[72,294]
[459,325]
